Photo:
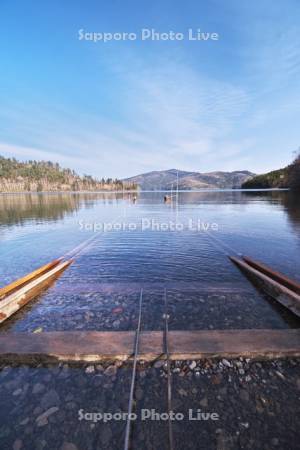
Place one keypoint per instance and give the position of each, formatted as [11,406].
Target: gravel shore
[257,403]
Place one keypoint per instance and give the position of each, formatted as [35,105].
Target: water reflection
[16,209]
[288,200]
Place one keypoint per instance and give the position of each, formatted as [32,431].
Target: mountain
[37,176]
[288,177]
[166,179]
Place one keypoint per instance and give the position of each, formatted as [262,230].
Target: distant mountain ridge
[167,179]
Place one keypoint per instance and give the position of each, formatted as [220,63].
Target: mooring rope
[167,353]
[133,378]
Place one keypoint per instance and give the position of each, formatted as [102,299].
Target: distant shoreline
[144,191]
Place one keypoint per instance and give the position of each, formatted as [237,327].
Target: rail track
[147,345]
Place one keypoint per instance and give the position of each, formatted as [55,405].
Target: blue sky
[122,108]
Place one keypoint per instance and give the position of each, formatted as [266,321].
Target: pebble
[139,394]
[279,374]
[116,323]
[193,365]
[42,420]
[40,445]
[216,379]
[226,363]
[158,364]
[90,369]
[117,310]
[38,388]
[17,392]
[18,444]
[111,371]
[25,421]
[244,395]
[182,392]
[69,446]
[204,402]
[50,398]
[106,434]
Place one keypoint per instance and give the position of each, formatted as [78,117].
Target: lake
[181,246]
[179,249]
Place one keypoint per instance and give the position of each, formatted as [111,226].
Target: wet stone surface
[188,310]
[257,404]
[40,406]
[191,310]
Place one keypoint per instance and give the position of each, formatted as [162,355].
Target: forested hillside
[37,176]
[289,177]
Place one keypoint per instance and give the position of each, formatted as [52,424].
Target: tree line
[45,175]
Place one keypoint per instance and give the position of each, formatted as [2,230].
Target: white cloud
[171,116]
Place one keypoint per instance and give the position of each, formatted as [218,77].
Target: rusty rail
[133,378]
[167,353]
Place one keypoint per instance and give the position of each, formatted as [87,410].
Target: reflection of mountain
[17,208]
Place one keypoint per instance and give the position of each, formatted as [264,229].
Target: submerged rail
[167,353]
[133,378]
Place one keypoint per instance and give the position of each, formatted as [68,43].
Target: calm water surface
[257,403]
[100,290]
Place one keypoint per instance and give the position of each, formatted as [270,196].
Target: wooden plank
[92,346]
[282,294]
[13,302]
[66,346]
[277,276]
[12,287]
[234,343]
